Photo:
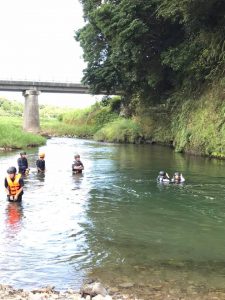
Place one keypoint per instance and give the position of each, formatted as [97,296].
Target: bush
[119,131]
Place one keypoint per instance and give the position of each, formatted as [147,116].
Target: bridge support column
[31,111]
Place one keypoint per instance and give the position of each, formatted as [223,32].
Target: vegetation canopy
[150,49]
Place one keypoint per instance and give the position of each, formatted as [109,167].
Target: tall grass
[13,136]
[200,125]
[119,131]
[59,128]
[195,125]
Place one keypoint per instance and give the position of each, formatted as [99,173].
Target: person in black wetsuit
[163,177]
[40,163]
[77,165]
[177,178]
[23,163]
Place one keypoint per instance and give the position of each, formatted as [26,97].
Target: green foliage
[119,131]
[200,126]
[155,122]
[12,135]
[152,48]
[114,103]
[10,108]
[59,128]
[122,43]
[95,116]
[194,126]
[51,112]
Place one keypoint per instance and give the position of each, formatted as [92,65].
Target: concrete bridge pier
[31,111]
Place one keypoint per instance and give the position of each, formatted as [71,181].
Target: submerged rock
[93,289]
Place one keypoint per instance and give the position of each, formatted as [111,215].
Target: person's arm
[78,167]
[26,163]
[38,165]
[81,166]
[19,162]
[21,182]
[7,187]
[182,179]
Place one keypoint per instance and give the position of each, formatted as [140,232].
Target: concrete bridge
[31,90]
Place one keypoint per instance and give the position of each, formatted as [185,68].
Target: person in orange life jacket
[23,163]
[77,165]
[14,185]
[40,163]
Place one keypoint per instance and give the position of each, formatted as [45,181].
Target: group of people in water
[177,178]
[14,182]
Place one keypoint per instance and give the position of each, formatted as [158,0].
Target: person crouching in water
[14,185]
[77,165]
[177,178]
[40,163]
[163,177]
[23,164]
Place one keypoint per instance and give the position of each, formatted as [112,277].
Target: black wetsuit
[77,164]
[40,163]
[22,164]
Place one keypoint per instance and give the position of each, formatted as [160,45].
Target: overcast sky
[37,43]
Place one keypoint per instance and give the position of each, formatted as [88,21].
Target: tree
[147,49]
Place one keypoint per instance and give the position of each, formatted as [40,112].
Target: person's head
[41,155]
[77,157]
[23,154]
[177,175]
[12,172]
[162,173]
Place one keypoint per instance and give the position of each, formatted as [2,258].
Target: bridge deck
[47,87]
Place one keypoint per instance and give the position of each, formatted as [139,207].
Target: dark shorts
[19,199]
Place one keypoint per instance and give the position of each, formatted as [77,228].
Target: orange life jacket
[14,186]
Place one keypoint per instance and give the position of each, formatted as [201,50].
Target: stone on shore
[93,289]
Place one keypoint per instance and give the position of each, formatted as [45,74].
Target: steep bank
[195,125]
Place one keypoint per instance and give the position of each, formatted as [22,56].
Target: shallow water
[114,222]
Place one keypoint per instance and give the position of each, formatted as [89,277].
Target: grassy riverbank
[101,121]
[12,135]
[194,125]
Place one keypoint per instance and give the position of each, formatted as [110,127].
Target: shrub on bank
[57,128]
[194,125]
[200,125]
[95,116]
[119,131]
[10,108]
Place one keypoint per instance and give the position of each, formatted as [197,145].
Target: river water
[114,222]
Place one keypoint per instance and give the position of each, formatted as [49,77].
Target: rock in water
[93,289]
[99,289]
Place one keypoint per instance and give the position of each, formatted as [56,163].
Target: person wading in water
[14,185]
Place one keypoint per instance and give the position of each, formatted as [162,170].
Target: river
[114,222]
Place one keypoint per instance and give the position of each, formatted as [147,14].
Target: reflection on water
[14,214]
[78,177]
[114,221]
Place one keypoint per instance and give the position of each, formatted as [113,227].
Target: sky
[37,43]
